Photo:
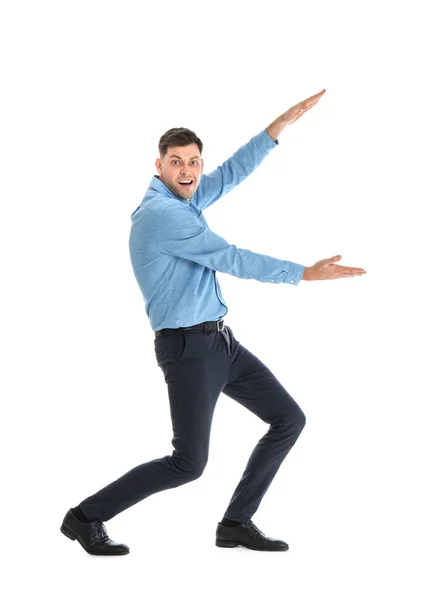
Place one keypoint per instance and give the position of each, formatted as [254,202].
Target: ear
[203,164]
[159,166]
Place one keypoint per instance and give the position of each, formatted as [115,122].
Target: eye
[174,161]
[195,162]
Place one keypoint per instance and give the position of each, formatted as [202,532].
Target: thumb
[334,259]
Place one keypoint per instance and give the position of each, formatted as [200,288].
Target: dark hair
[178,136]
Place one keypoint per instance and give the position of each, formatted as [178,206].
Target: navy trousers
[198,366]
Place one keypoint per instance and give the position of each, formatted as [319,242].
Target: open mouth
[186,182]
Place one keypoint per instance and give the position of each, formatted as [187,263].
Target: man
[175,257]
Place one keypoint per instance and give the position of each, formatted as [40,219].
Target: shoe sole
[73,537]
[225,544]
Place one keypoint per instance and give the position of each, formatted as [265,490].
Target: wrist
[307,274]
[276,127]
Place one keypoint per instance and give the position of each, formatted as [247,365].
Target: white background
[88,89]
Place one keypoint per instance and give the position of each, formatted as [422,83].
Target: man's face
[181,164]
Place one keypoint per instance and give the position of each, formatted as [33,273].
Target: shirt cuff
[265,141]
[292,275]
[295,273]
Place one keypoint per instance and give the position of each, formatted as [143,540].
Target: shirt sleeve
[234,170]
[180,233]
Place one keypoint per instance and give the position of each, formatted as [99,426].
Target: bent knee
[295,421]
[196,471]
[300,420]
[190,469]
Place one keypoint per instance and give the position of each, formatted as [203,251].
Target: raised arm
[243,162]
[234,170]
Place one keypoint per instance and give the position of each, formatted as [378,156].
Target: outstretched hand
[292,114]
[326,269]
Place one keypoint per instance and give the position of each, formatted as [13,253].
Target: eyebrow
[176,156]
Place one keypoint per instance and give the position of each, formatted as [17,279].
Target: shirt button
[272,281]
[292,281]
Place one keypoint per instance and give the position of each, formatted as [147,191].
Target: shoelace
[99,532]
[257,532]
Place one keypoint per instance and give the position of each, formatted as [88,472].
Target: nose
[185,170]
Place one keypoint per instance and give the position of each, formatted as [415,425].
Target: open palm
[292,114]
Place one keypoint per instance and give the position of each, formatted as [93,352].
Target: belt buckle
[220,324]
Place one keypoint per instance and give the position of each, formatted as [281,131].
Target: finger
[343,275]
[305,105]
[351,273]
[310,103]
[346,272]
[304,109]
[352,269]
[316,96]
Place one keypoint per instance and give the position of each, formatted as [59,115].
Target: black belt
[205,326]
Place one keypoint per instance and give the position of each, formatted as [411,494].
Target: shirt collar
[159,186]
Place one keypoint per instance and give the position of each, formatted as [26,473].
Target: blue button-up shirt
[175,255]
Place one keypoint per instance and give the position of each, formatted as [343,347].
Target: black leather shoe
[248,535]
[92,536]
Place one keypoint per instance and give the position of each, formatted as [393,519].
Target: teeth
[186,181]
